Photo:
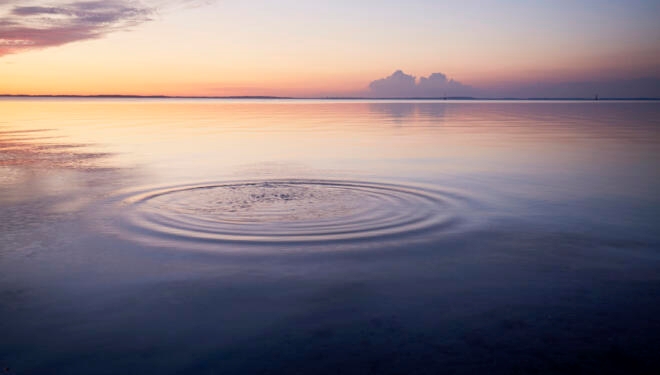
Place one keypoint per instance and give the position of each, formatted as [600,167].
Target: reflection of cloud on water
[430,110]
[26,148]
[394,111]
[46,192]
[41,180]
[400,111]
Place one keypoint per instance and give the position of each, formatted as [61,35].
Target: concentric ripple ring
[287,211]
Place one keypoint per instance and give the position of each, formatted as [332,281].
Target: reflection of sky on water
[553,260]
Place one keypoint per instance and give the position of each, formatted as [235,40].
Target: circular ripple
[288,211]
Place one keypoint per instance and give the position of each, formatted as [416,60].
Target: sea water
[326,236]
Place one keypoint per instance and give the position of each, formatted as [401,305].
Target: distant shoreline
[258,97]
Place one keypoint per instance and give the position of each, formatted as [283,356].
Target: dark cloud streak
[35,26]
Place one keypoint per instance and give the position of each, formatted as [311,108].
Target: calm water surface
[219,236]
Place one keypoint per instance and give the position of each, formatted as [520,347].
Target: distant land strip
[262,97]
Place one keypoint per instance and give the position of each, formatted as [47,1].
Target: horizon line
[271,97]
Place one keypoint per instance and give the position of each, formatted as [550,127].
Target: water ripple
[287,211]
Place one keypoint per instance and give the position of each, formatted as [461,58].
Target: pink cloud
[400,84]
[47,24]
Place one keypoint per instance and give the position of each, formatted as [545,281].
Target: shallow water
[206,236]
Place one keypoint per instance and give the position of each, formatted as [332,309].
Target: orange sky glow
[320,48]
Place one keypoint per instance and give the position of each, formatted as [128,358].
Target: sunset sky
[331,48]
